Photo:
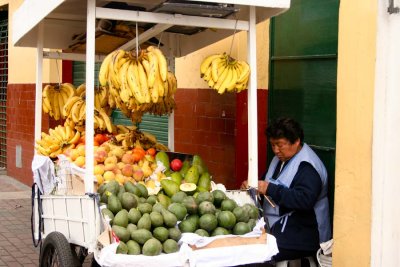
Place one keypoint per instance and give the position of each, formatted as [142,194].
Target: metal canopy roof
[63,19]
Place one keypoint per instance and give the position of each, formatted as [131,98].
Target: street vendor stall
[57,28]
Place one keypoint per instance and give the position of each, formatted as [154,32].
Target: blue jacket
[301,219]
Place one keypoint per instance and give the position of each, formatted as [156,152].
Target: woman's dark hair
[285,128]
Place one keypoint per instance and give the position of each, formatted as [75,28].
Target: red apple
[176,164]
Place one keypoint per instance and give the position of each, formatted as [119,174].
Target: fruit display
[139,82]
[54,98]
[224,73]
[153,224]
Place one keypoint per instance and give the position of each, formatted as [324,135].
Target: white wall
[385,243]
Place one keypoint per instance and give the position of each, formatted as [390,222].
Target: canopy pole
[252,101]
[89,128]
[39,84]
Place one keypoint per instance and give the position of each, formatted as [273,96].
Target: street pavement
[16,246]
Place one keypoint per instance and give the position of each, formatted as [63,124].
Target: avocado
[169,187]
[198,161]
[114,205]
[121,218]
[205,181]
[192,175]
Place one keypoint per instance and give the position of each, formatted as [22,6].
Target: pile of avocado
[150,225]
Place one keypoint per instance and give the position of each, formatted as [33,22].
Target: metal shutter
[3,87]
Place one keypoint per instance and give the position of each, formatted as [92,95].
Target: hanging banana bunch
[54,98]
[139,82]
[224,73]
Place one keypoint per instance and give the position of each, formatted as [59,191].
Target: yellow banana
[68,106]
[111,101]
[101,122]
[162,62]
[104,70]
[172,83]
[227,81]
[46,99]
[103,96]
[207,74]
[82,112]
[217,66]
[221,79]
[143,83]
[68,88]
[231,86]
[125,92]
[75,110]
[106,120]
[133,81]
[122,129]
[56,108]
[245,71]
[55,153]
[243,85]
[114,67]
[153,68]
[69,131]
[42,151]
[54,134]
[81,90]
[205,65]
[75,138]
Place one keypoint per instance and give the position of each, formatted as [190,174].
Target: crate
[76,217]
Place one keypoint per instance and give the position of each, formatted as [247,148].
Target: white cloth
[43,173]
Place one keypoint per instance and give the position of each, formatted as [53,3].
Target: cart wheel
[56,251]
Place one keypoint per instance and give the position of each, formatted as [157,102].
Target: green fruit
[208,222]
[176,177]
[205,196]
[144,222]
[104,197]
[187,226]
[252,211]
[141,235]
[101,189]
[201,189]
[131,227]
[161,233]
[134,215]
[178,197]
[219,196]
[114,205]
[185,168]
[163,158]
[190,204]
[199,163]
[252,223]
[188,188]
[178,209]
[152,247]
[156,219]
[142,200]
[241,228]
[158,207]
[133,247]
[205,181]
[107,213]
[129,187]
[112,187]
[241,214]
[128,200]
[169,187]
[121,218]
[143,190]
[151,200]
[170,246]
[220,231]
[170,219]
[145,208]
[121,232]
[226,219]
[194,218]
[174,233]
[192,175]
[228,204]
[202,232]
[206,207]
[122,248]
[121,192]
[164,200]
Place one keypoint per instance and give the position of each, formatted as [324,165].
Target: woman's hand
[244,185]
[262,187]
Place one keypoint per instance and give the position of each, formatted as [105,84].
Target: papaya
[169,187]
[192,175]
[199,163]
[163,158]
[205,181]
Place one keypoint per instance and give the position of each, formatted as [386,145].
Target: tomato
[151,151]
[176,164]
[140,151]
[137,156]
[99,138]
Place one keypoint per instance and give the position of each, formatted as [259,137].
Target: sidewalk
[16,247]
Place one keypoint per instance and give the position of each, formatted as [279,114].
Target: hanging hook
[233,38]
[58,71]
[137,41]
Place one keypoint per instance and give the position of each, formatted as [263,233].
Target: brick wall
[20,129]
[205,125]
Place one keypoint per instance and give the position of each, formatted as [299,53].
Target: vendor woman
[296,184]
